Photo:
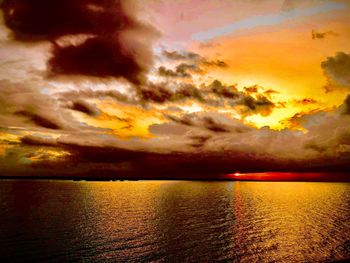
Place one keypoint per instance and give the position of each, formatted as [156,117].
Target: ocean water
[174,221]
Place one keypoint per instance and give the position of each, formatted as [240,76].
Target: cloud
[321,35]
[199,140]
[210,121]
[212,125]
[156,93]
[221,90]
[162,93]
[337,71]
[87,93]
[207,143]
[95,57]
[215,95]
[38,140]
[193,57]
[251,105]
[189,63]
[297,121]
[116,43]
[179,72]
[85,107]
[261,105]
[38,119]
[175,55]
[325,141]
[215,63]
[23,105]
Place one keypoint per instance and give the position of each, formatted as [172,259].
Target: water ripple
[54,221]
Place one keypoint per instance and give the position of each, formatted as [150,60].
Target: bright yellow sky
[123,120]
[284,58]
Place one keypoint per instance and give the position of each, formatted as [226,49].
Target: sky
[174,89]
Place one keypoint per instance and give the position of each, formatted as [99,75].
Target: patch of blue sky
[266,20]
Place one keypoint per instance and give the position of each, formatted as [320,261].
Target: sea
[173,221]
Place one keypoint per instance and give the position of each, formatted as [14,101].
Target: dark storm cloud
[95,57]
[337,70]
[321,35]
[118,45]
[42,20]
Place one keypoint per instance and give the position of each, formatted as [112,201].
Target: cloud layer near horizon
[192,143]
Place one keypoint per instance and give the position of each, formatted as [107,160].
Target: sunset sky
[173,88]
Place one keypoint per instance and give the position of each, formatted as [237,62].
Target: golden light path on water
[175,221]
